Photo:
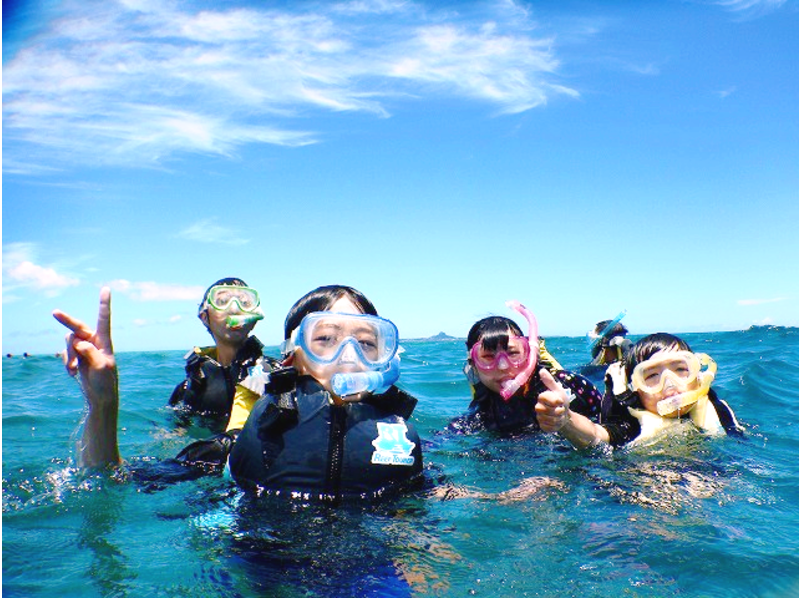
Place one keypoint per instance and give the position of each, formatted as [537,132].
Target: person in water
[229,311]
[660,383]
[510,373]
[330,425]
[608,342]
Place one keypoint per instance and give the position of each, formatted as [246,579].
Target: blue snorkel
[351,383]
[592,339]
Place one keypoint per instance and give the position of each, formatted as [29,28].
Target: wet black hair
[648,346]
[617,329]
[493,332]
[321,299]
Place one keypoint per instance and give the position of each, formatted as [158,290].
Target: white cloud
[751,8]
[758,301]
[137,82]
[207,231]
[20,271]
[153,291]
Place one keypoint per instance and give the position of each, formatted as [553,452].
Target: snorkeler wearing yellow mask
[660,383]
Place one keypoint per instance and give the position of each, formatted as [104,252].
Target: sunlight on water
[687,516]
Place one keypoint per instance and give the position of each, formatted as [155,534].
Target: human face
[222,332]
[323,373]
[499,366]
[664,375]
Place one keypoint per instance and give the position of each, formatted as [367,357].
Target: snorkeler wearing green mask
[229,311]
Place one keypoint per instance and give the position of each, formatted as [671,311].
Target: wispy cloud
[20,270]
[137,82]
[724,93]
[749,9]
[153,291]
[208,231]
[759,301]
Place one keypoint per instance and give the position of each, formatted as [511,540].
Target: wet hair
[617,329]
[648,346]
[493,333]
[321,299]
[228,282]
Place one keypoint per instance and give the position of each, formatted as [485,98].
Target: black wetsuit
[300,444]
[489,411]
[209,387]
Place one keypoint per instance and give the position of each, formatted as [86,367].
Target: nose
[349,355]
[502,362]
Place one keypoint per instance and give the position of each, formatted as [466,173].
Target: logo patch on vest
[392,447]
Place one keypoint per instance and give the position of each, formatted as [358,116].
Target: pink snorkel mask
[509,387]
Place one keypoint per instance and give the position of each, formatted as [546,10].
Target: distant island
[436,337]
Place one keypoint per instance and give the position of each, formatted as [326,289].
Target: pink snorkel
[509,387]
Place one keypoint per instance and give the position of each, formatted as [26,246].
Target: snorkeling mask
[521,352]
[593,339]
[247,304]
[356,339]
[679,369]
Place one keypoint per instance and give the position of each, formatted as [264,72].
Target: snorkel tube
[353,383]
[237,321]
[509,387]
[592,339]
[676,402]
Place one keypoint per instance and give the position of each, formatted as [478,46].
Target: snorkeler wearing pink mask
[509,372]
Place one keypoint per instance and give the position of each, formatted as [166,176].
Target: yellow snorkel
[690,397]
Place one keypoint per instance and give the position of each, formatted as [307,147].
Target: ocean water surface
[690,516]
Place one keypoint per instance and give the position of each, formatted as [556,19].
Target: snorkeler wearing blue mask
[336,426]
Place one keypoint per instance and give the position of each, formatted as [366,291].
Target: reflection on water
[501,516]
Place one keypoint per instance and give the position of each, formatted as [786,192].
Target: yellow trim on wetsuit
[243,402]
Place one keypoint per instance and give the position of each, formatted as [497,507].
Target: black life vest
[209,387]
[311,449]
[488,410]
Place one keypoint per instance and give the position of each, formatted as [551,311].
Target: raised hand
[91,355]
[552,407]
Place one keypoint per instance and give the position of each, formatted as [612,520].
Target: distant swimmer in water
[510,374]
[229,311]
[329,425]
[660,384]
[608,343]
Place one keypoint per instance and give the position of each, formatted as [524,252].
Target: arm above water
[90,355]
[554,415]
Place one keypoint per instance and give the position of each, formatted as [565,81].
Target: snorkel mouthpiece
[242,320]
[353,383]
[509,387]
[676,402]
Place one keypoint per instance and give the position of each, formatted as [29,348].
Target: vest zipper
[333,477]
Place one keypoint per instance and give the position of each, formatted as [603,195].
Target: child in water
[330,425]
[229,311]
[510,373]
[660,383]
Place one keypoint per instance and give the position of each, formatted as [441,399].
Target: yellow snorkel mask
[679,369]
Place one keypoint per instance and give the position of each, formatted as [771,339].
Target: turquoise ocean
[690,516]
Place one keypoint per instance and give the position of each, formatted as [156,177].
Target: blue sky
[583,157]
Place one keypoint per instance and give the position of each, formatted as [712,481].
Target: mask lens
[681,367]
[515,355]
[223,297]
[324,336]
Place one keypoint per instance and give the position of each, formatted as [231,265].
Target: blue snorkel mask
[365,343]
